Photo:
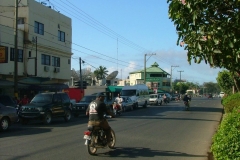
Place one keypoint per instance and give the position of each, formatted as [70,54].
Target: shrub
[226,142]
[231,102]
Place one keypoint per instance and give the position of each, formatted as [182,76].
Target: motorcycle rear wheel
[113,140]
[90,147]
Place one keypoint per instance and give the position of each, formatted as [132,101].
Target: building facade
[157,79]
[43,43]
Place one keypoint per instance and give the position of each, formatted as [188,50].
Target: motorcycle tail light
[87,133]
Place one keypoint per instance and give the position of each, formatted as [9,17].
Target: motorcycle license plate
[86,137]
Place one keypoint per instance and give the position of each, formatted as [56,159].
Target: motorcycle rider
[96,110]
[119,101]
[186,100]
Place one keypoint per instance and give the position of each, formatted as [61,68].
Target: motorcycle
[187,105]
[117,109]
[95,137]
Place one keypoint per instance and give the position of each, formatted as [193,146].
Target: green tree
[209,30]
[101,72]
[211,87]
[181,87]
[225,81]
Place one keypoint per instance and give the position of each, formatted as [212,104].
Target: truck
[138,93]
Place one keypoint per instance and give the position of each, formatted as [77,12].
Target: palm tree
[101,72]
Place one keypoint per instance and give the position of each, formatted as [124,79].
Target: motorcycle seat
[91,128]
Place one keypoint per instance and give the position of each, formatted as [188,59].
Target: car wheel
[136,105]
[5,124]
[67,116]
[145,104]
[131,108]
[160,103]
[47,118]
[123,108]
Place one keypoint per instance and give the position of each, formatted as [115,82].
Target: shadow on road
[144,152]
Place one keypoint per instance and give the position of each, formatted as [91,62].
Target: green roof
[154,68]
[114,88]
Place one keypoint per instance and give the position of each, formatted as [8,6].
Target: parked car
[155,99]
[7,101]
[127,104]
[81,106]
[8,116]
[46,106]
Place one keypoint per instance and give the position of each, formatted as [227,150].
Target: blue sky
[117,33]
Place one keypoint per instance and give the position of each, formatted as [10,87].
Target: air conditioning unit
[56,70]
[46,68]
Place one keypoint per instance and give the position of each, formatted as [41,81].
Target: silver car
[8,116]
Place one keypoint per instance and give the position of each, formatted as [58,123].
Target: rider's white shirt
[119,100]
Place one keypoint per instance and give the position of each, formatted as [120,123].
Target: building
[44,43]
[157,79]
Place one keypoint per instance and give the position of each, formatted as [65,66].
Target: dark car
[127,104]
[81,106]
[7,101]
[8,116]
[45,106]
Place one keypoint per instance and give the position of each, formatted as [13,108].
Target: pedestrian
[25,100]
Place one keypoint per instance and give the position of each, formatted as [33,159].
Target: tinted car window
[42,98]
[57,98]
[7,100]
[65,98]
[88,98]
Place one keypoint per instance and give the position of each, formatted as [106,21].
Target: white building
[44,43]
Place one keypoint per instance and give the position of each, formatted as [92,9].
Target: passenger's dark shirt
[96,110]
[186,98]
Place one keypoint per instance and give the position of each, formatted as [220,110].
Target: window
[12,54]
[69,61]
[3,54]
[61,36]
[20,20]
[45,59]
[56,61]
[165,83]
[39,28]
[156,75]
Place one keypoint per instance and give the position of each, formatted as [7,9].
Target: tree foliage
[181,87]
[101,72]
[225,81]
[209,30]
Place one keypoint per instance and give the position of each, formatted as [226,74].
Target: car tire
[67,116]
[47,118]
[145,104]
[131,108]
[136,105]
[123,108]
[4,124]
[160,103]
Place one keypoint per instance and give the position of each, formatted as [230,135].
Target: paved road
[157,132]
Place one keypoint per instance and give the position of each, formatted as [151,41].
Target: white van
[138,93]
[221,94]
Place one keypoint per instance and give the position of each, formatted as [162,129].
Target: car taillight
[87,133]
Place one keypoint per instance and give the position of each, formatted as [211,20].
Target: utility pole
[16,51]
[180,74]
[80,65]
[171,77]
[145,75]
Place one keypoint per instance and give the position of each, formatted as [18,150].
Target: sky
[116,34]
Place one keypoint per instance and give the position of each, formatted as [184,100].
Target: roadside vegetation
[209,32]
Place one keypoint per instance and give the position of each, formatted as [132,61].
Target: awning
[33,80]
[6,83]
[114,88]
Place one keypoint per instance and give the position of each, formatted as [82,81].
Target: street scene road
[166,132]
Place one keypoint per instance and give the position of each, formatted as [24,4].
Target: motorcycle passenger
[119,101]
[96,110]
